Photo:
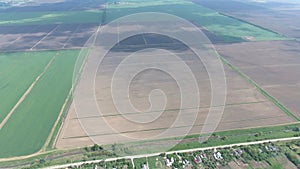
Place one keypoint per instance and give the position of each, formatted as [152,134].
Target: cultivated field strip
[26,93]
[16,68]
[32,121]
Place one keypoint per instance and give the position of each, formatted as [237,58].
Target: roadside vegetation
[278,155]
[288,150]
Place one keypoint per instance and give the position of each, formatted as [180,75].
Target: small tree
[95,147]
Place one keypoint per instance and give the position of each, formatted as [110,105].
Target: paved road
[172,152]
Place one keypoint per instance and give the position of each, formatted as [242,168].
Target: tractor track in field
[23,97]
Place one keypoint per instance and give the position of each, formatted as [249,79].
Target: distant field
[269,15]
[57,17]
[29,126]
[229,29]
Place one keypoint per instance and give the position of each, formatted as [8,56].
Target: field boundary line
[259,89]
[26,93]
[168,110]
[54,29]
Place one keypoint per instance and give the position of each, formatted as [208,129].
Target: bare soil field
[275,66]
[245,107]
[45,37]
